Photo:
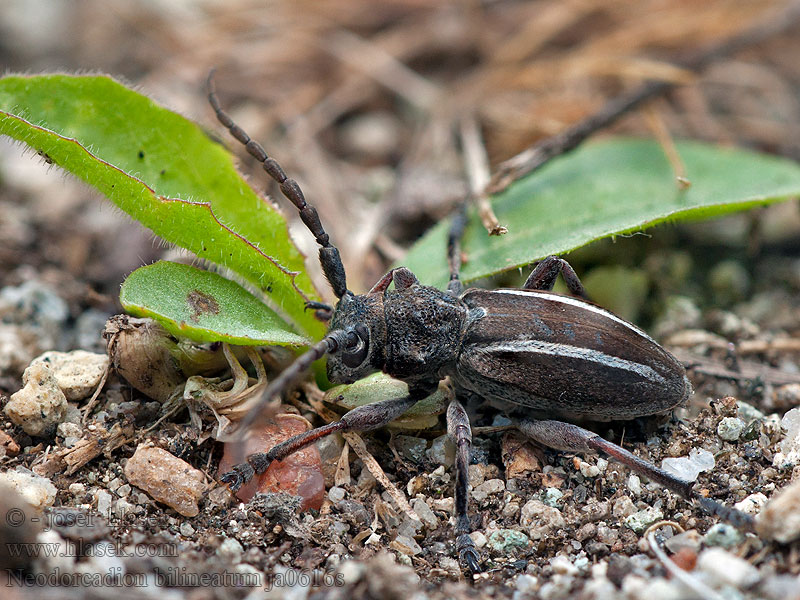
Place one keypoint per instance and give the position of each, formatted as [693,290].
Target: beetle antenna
[328,253]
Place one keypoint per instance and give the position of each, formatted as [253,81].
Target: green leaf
[165,172]
[203,306]
[601,190]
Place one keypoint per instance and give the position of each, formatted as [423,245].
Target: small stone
[122,508]
[186,529]
[635,484]
[425,513]
[540,518]
[552,496]
[730,428]
[166,478]
[585,532]
[526,585]
[77,489]
[336,494]
[442,451]
[789,455]
[726,568]
[723,535]
[67,430]
[688,468]
[7,445]
[411,447]
[690,540]
[487,488]
[38,491]
[780,518]
[503,541]
[623,507]
[510,510]
[641,520]
[230,550]
[589,470]
[406,545]
[562,565]
[39,406]
[519,456]
[78,373]
[753,504]
[478,538]
[103,499]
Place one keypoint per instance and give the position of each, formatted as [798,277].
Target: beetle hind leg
[543,277]
[460,433]
[571,438]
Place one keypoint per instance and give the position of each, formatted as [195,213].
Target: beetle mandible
[544,359]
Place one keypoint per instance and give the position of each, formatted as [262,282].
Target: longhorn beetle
[538,356]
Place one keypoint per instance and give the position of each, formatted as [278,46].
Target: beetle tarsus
[468,553]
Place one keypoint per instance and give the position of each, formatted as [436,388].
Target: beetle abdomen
[563,357]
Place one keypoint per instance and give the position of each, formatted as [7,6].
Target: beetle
[547,360]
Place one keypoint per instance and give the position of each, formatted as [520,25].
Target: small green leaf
[203,306]
[165,172]
[377,387]
[605,189]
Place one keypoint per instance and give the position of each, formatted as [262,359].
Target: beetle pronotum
[538,356]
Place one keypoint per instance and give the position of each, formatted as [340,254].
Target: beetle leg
[543,277]
[363,418]
[455,287]
[401,276]
[565,436]
[460,433]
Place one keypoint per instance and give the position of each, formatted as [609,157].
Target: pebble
[563,566]
[552,496]
[723,535]
[442,451]
[186,529]
[780,518]
[503,541]
[689,467]
[753,504]
[103,499]
[478,538]
[38,491]
[623,507]
[641,520]
[487,488]
[230,549]
[789,455]
[336,494]
[725,568]
[635,484]
[166,478]
[540,518]
[425,513]
[589,470]
[39,406]
[78,373]
[406,545]
[690,540]
[18,346]
[411,447]
[730,428]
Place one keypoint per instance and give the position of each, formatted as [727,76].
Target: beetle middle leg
[543,277]
[571,438]
[460,433]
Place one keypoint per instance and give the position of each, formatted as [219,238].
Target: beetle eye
[356,347]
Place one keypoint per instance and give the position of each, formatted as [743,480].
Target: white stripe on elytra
[540,347]
[575,302]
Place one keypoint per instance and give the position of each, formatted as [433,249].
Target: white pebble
[726,568]
[688,468]
[38,491]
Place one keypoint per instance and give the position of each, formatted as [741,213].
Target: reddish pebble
[299,474]
[685,558]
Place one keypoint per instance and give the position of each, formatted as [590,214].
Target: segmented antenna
[328,253]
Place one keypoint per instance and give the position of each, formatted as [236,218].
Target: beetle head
[359,328]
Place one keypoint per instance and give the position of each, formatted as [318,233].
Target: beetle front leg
[571,438]
[363,418]
[543,277]
[460,433]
